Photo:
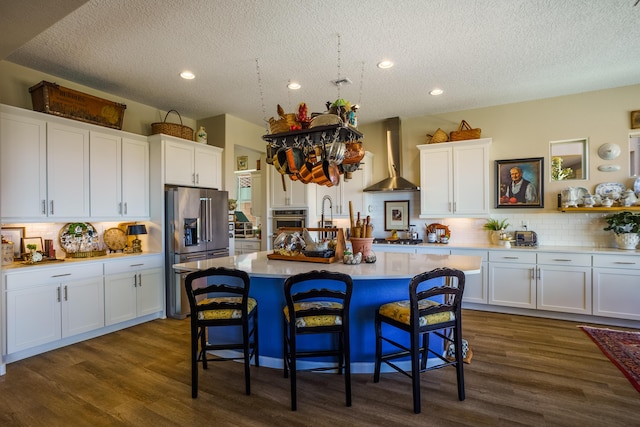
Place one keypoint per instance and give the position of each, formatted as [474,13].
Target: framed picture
[519,183]
[635,119]
[396,215]
[242,162]
[32,241]
[14,235]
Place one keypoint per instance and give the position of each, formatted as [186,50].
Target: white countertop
[388,265]
[540,248]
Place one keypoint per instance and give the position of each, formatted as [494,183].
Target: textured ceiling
[480,52]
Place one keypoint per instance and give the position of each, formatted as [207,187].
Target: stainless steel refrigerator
[197,228]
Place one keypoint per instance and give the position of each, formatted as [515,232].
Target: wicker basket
[284,124]
[438,136]
[173,129]
[465,132]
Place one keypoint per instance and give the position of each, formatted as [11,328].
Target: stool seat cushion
[400,311]
[312,321]
[225,313]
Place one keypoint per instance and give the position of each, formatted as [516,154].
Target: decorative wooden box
[339,250]
[53,99]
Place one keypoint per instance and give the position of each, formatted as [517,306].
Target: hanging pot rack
[320,138]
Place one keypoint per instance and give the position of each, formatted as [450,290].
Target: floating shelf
[602,209]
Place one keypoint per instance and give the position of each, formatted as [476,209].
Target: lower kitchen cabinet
[564,282]
[476,285]
[512,279]
[133,288]
[616,286]
[48,305]
[243,246]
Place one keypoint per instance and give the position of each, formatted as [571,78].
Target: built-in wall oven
[288,218]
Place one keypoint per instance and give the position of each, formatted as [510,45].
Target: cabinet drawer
[47,276]
[512,256]
[563,258]
[132,264]
[617,261]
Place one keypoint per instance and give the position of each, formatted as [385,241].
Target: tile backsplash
[553,229]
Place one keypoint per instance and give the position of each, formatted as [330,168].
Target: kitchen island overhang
[373,285]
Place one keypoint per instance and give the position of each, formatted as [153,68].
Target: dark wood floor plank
[525,371]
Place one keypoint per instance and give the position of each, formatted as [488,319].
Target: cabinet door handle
[193,178]
[455,206]
[51,210]
[44,207]
[197,178]
[61,275]
[140,279]
[135,280]
[136,265]
[125,208]
[533,274]
[562,260]
[58,292]
[539,273]
[66,293]
[625,262]
[511,257]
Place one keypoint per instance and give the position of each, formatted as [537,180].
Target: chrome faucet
[325,198]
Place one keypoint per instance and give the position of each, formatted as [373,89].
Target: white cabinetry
[347,191]
[190,163]
[119,169]
[564,282]
[45,167]
[287,194]
[512,278]
[243,246]
[476,288]
[454,178]
[53,303]
[258,194]
[616,286]
[133,288]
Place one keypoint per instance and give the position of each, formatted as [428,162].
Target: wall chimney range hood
[394,156]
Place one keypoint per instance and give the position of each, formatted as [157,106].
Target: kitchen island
[373,285]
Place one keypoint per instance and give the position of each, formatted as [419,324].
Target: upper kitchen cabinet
[190,163]
[45,167]
[286,193]
[454,178]
[347,191]
[119,169]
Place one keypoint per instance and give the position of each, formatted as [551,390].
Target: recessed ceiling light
[294,86]
[385,64]
[436,92]
[187,75]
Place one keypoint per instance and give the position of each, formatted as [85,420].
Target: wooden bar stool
[310,310]
[224,301]
[428,310]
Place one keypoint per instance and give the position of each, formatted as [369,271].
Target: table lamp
[134,230]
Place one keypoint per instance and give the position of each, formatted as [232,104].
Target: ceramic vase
[201,135]
[627,241]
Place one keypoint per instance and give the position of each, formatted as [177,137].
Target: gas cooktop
[398,241]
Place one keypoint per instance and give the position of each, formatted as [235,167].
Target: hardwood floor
[525,371]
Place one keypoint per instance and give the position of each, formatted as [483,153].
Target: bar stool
[428,310]
[224,301]
[310,310]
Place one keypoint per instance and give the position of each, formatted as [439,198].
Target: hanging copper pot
[295,159]
[280,161]
[305,175]
[354,152]
[271,152]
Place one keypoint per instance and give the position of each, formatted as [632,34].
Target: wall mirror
[569,159]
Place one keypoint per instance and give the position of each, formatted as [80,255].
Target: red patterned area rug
[621,347]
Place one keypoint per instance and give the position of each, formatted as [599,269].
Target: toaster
[526,238]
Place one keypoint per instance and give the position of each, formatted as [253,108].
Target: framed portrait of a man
[519,183]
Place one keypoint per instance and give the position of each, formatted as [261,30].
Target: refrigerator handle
[210,219]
